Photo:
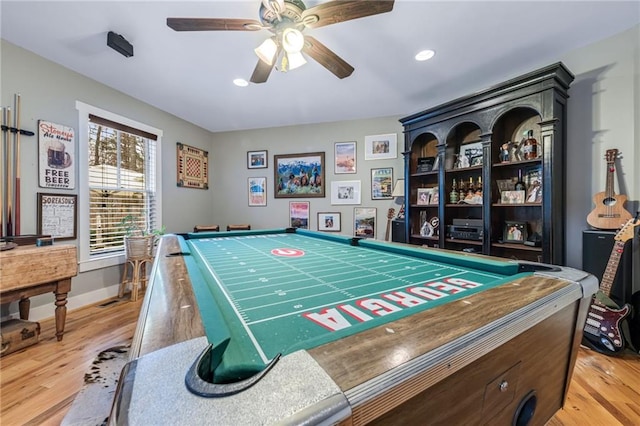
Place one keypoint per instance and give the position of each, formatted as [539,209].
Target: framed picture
[345,157]
[257,159]
[329,221]
[423,196]
[364,222]
[382,183]
[381,147]
[299,175]
[512,197]
[257,187]
[58,215]
[193,167]
[56,152]
[345,192]
[470,155]
[515,232]
[299,214]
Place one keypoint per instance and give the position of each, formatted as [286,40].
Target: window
[119,177]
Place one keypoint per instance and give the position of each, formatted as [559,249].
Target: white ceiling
[189,74]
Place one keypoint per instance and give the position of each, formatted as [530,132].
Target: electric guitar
[602,328]
[609,212]
[390,214]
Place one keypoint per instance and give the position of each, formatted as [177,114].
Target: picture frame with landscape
[257,159]
[299,175]
[345,157]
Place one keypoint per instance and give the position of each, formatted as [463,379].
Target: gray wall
[604,113]
[49,92]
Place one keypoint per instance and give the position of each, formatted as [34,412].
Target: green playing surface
[275,292]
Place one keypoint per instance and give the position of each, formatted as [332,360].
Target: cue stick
[3,153]
[16,206]
[9,178]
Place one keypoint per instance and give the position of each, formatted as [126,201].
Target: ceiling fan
[286,19]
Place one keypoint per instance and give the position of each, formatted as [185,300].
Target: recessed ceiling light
[425,55]
[240,82]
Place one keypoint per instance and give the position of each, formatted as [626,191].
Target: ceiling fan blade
[326,57]
[336,11]
[213,24]
[263,69]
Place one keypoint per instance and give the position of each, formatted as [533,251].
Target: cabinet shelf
[516,205]
[461,241]
[465,170]
[420,237]
[476,127]
[519,163]
[517,247]
[431,173]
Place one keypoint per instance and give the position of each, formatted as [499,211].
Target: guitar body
[609,212]
[603,328]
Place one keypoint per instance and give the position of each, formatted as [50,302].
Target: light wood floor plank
[38,383]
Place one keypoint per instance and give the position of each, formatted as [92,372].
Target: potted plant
[138,241]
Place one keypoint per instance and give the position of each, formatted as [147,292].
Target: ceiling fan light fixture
[295,60]
[267,51]
[292,40]
[275,5]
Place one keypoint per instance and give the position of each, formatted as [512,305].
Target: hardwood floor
[38,384]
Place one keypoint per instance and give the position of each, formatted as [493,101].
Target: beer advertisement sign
[57,149]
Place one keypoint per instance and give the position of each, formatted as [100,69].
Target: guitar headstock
[390,213]
[626,232]
[611,155]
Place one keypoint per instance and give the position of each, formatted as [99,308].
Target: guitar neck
[609,184]
[612,267]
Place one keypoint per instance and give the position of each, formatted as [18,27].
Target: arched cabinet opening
[422,198]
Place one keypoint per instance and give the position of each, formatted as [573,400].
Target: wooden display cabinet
[469,136]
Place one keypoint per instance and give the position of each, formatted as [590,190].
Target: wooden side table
[27,271]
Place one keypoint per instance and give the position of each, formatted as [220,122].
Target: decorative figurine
[504,152]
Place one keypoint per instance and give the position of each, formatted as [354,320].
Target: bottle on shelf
[453,196]
[530,147]
[463,192]
[479,186]
[520,186]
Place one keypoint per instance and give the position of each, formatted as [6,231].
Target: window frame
[88,262]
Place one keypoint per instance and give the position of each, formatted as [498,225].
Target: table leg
[61,291]
[23,306]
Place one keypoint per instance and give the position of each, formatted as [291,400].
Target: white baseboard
[38,313]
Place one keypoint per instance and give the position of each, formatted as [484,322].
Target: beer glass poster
[56,151]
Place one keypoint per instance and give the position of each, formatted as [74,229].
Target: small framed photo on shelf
[423,196]
[515,232]
[512,197]
[257,159]
[329,221]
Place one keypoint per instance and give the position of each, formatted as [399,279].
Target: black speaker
[397,231]
[596,250]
